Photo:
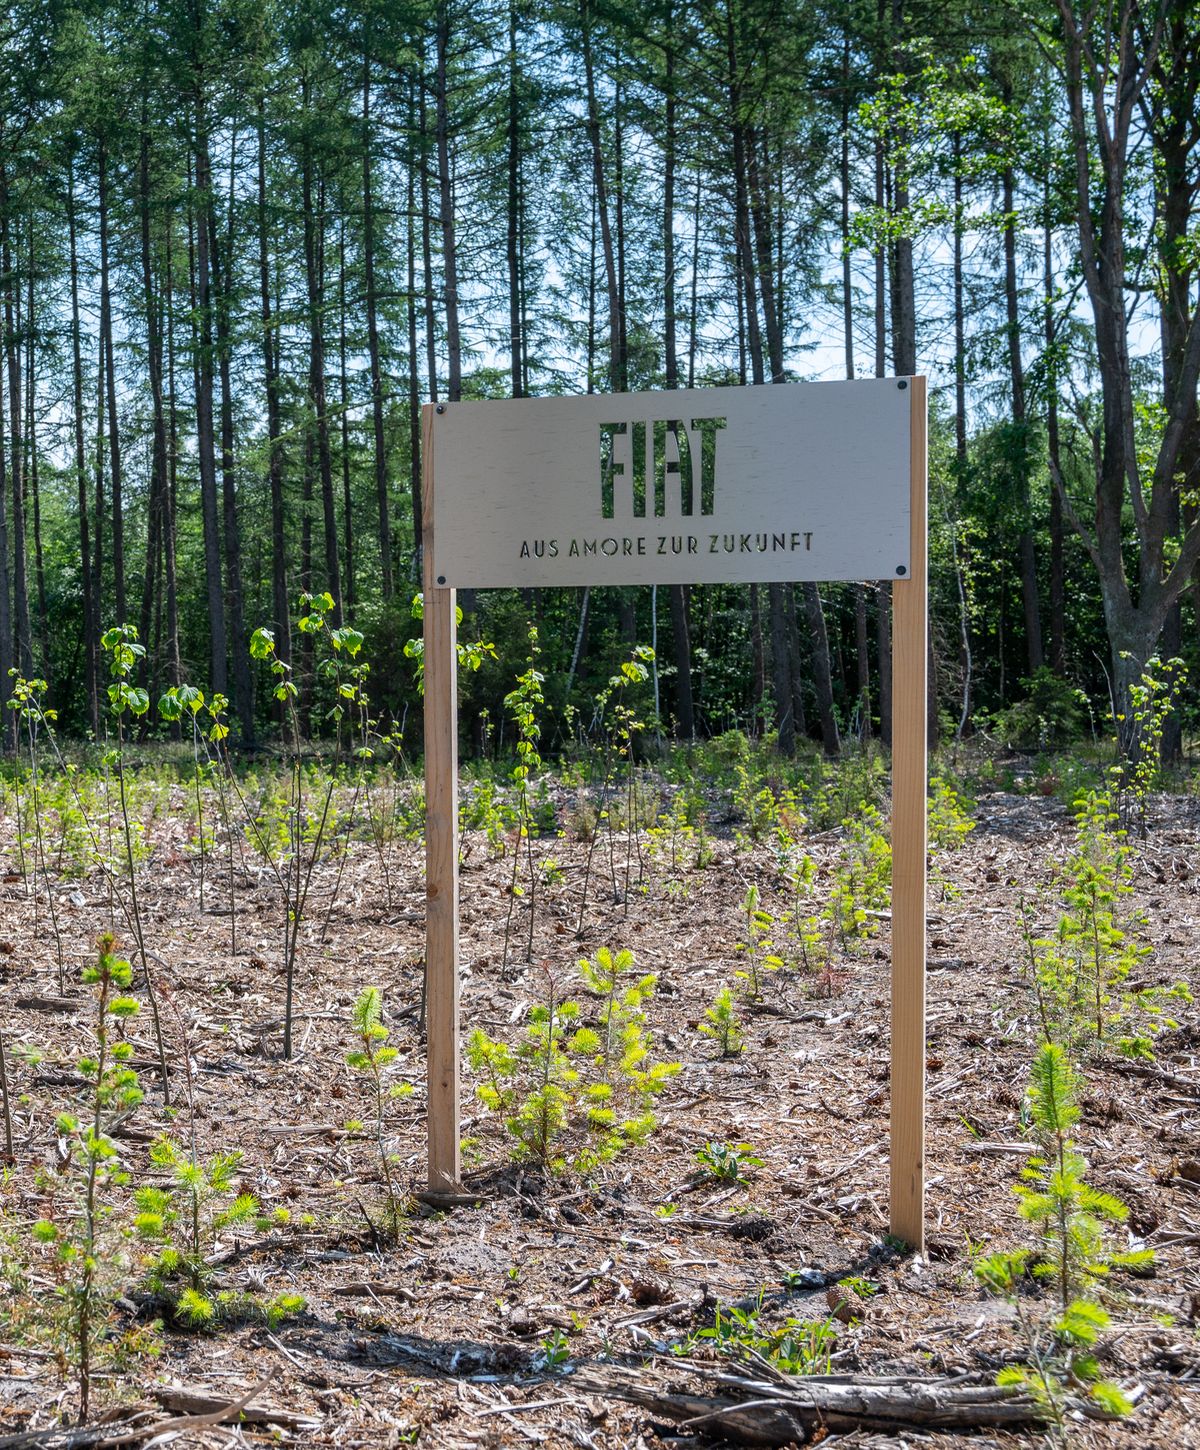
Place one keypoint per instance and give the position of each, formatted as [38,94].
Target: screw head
[439,407]
[902,383]
[441,579]
[901,570]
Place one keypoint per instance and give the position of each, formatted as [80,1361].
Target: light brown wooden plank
[441,848]
[910,629]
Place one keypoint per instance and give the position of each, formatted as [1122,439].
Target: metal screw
[441,577]
[901,569]
[902,384]
[441,407]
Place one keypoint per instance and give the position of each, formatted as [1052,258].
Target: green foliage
[722,1025]
[371,1057]
[1072,1252]
[1151,701]
[949,822]
[758,952]
[182,1218]
[85,1235]
[565,1079]
[797,1347]
[1051,713]
[862,878]
[1079,974]
[728,1162]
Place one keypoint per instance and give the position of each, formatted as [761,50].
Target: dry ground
[436,1340]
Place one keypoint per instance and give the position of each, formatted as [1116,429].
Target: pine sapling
[722,1024]
[1072,1255]
[82,1242]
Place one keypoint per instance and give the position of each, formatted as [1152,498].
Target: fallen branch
[783,1410]
[200,1402]
[137,1428]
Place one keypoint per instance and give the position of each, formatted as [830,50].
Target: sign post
[808,481]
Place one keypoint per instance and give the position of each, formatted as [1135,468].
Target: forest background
[242,243]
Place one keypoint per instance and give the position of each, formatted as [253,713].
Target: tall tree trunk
[154,367]
[206,455]
[314,274]
[822,671]
[12,361]
[243,678]
[91,643]
[414,377]
[446,207]
[427,240]
[31,401]
[600,201]
[270,351]
[758,664]
[174,663]
[1020,451]
[380,439]
[684,709]
[1058,587]
[512,239]
[344,396]
[110,377]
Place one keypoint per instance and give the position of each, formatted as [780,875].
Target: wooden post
[910,628]
[441,847]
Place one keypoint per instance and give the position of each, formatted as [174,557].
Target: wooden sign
[843,470]
[704,486]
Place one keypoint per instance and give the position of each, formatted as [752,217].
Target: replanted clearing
[508,1319]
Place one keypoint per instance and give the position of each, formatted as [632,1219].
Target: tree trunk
[680,637]
[154,367]
[414,384]
[516,346]
[380,439]
[314,274]
[822,672]
[344,398]
[446,208]
[110,375]
[600,195]
[203,367]
[12,361]
[270,350]
[91,643]
[781,671]
[243,678]
[1020,459]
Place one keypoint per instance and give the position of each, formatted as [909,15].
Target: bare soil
[436,1339]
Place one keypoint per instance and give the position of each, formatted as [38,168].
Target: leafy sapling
[523,702]
[371,1058]
[129,701]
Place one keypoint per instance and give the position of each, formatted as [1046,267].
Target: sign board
[807,481]
[703,486]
